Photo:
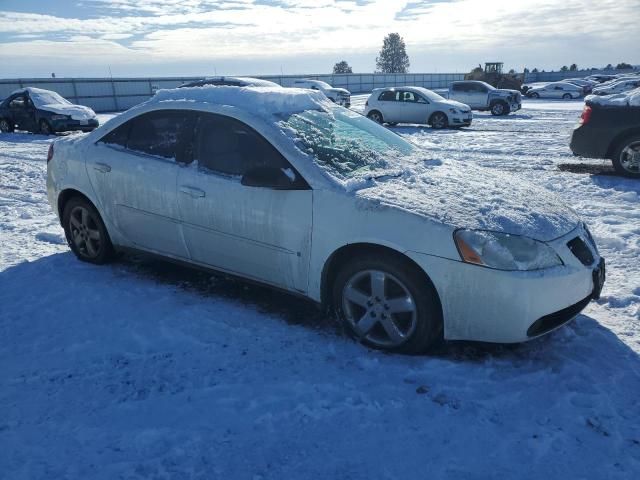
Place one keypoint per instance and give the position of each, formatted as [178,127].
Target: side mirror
[267,177]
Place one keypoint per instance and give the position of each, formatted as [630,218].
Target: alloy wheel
[45,129]
[376,117]
[497,109]
[630,158]
[4,126]
[85,233]
[439,120]
[379,308]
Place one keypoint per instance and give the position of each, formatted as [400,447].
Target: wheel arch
[435,113]
[375,110]
[67,194]
[615,143]
[341,255]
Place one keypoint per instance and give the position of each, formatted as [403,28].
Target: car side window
[457,87]
[17,102]
[408,97]
[227,146]
[163,133]
[387,96]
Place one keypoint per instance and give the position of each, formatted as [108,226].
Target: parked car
[618,86]
[562,90]
[43,111]
[230,82]
[293,191]
[609,127]
[587,85]
[416,105]
[341,96]
[482,96]
[600,78]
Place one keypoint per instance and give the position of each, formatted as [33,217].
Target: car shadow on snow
[44,274]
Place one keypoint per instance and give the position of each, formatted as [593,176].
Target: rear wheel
[567,96]
[376,116]
[45,128]
[626,157]
[85,232]
[388,304]
[439,120]
[535,95]
[5,126]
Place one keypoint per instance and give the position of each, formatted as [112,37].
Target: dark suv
[610,131]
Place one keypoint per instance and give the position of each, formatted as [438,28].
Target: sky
[96,38]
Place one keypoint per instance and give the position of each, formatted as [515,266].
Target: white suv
[416,105]
[341,96]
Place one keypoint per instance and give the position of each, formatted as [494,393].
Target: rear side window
[387,96]
[17,102]
[227,146]
[459,87]
[164,133]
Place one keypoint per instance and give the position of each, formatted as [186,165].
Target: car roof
[260,101]
[248,81]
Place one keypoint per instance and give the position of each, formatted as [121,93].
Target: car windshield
[45,97]
[348,145]
[321,84]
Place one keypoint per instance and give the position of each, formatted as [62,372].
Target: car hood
[77,112]
[452,103]
[461,195]
[339,90]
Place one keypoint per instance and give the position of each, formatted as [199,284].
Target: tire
[376,116]
[626,157]
[6,126]
[567,96]
[500,108]
[85,232]
[438,120]
[45,128]
[370,287]
[535,95]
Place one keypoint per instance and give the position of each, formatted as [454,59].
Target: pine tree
[573,67]
[342,67]
[393,57]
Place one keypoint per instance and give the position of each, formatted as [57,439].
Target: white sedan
[618,86]
[416,105]
[564,90]
[283,187]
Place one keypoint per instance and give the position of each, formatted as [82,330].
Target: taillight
[50,153]
[586,115]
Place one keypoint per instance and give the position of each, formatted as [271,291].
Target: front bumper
[70,125]
[489,305]
[460,120]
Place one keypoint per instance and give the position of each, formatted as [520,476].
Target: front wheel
[439,120]
[499,108]
[85,232]
[45,128]
[626,158]
[388,304]
[535,95]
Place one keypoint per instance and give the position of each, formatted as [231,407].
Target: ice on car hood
[52,102]
[462,195]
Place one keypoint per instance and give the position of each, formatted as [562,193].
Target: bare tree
[342,67]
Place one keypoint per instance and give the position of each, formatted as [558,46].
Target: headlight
[59,117]
[453,110]
[504,251]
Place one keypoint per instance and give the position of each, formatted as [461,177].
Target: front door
[134,170]
[257,232]
[23,113]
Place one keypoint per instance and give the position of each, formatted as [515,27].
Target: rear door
[459,92]
[258,232]
[134,170]
[389,105]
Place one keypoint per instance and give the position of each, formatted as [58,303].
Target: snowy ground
[143,370]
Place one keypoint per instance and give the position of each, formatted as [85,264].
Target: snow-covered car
[562,90]
[230,82]
[609,127]
[482,96]
[618,86]
[283,187]
[587,85]
[43,111]
[416,105]
[341,96]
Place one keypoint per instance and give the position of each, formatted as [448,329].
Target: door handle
[192,192]
[102,167]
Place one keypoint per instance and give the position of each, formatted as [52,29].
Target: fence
[555,76]
[116,94]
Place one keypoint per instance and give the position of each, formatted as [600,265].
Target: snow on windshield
[41,98]
[346,144]
[630,98]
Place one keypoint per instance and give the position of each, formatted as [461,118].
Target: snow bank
[264,101]
[624,99]
[52,102]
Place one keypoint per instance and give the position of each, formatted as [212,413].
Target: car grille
[580,249]
[553,320]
